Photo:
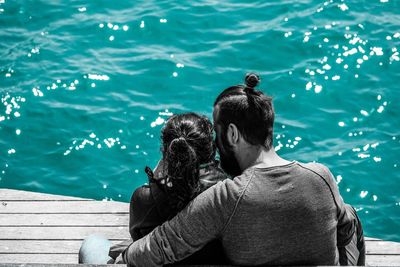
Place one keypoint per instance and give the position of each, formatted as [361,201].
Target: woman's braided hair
[187,143]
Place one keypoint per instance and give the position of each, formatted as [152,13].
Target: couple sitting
[270,211]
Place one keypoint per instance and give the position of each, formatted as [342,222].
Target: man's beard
[229,163]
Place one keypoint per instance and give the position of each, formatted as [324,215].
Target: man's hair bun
[252,80]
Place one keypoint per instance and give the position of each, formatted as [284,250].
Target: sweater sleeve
[346,221]
[203,220]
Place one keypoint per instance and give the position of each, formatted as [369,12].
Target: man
[273,211]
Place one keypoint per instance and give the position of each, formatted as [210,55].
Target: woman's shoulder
[210,175]
[145,211]
[150,196]
[142,194]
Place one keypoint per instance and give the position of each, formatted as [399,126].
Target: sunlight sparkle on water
[394,57]
[377,51]
[109,142]
[326,67]
[37,92]
[308,85]
[343,7]
[377,159]
[287,34]
[339,60]
[350,52]
[158,121]
[365,148]
[363,155]
[375,145]
[165,113]
[98,77]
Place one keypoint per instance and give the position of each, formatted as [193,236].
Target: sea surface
[86,86]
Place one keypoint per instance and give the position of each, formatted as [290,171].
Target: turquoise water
[87,85]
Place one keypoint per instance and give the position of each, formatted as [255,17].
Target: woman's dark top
[149,208]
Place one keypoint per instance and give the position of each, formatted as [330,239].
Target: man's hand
[119,260]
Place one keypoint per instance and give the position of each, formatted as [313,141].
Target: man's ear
[233,134]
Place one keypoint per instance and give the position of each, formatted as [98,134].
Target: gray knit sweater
[284,215]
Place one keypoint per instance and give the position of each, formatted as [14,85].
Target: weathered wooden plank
[382,248]
[52,264]
[64,220]
[121,233]
[25,260]
[38,258]
[383,260]
[72,246]
[41,246]
[367,238]
[60,233]
[64,207]
[18,195]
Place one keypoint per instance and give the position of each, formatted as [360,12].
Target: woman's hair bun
[178,146]
[252,80]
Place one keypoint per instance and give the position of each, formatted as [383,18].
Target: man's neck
[263,158]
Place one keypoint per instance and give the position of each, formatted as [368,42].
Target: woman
[187,168]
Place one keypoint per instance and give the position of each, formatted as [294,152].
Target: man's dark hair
[249,109]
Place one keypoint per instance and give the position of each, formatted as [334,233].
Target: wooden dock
[43,228]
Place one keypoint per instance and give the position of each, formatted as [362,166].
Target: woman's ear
[233,134]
